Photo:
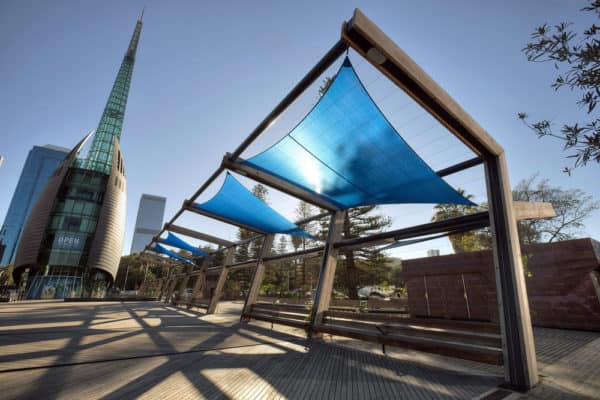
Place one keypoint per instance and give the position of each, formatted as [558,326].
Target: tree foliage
[136,267]
[6,275]
[572,207]
[465,241]
[362,221]
[576,57]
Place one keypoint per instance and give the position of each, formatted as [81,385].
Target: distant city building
[433,253]
[73,239]
[149,221]
[39,166]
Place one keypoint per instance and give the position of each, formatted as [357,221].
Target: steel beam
[312,252]
[200,283]
[257,277]
[467,222]
[172,287]
[369,41]
[327,272]
[533,210]
[296,254]
[515,321]
[237,165]
[459,167]
[198,235]
[214,300]
[184,282]
[193,209]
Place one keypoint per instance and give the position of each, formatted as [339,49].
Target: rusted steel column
[214,301]
[327,272]
[520,361]
[159,288]
[200,283]
[257,277]
[171,289]
[184,282]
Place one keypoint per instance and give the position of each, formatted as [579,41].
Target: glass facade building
[39,166]
[149,221]
[76,229]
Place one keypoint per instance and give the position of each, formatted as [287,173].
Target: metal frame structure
[364,37]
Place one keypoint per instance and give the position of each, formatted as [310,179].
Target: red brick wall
[561,291]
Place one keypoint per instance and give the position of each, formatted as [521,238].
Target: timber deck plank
[150,350]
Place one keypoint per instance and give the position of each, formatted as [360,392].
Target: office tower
[148,222]
[433,253]
[39,165]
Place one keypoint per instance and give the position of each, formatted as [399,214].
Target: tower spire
[111,123]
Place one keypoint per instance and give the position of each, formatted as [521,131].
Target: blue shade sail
[162,250]
[347,152]
[174,241]
[236,203]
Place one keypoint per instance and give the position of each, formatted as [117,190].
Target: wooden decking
[150,350]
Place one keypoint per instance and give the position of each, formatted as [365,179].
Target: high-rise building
[433,253]
[39,165]
[72,243]
[149,221]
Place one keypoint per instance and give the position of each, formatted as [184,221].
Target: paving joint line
[171,353]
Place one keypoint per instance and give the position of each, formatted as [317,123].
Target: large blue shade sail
[236,203]
[162,250]
[174,241]
[346,151]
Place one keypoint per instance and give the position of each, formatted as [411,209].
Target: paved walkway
[150,350]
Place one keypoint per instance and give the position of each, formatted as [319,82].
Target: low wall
[563,286]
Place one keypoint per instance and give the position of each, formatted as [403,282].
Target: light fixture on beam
[375,56]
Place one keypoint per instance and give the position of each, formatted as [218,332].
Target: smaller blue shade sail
[174,241]
[347,152]
[234,202]
[160,249]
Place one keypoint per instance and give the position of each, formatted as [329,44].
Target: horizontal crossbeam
[459,167]
[467,222]
[532,210]
[198,235]
[236,165]
[204,213]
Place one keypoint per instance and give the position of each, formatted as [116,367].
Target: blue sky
[208,72]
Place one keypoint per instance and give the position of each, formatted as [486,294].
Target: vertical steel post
[200,281]
[327,272]
[184,282]
[171,289]
[214,301]
[257,277]
[515,322]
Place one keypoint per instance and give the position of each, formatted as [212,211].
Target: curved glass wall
[68,239]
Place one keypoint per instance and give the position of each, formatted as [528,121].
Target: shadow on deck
[151,350]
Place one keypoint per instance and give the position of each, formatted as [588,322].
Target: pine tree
[248,251]
[361,221]
[303,211]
